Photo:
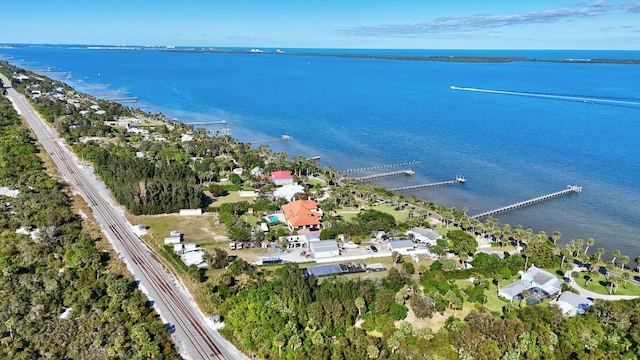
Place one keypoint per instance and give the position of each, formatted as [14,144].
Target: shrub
[398,311]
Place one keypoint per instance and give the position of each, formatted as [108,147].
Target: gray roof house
[543,279]
[401,245]
[572,304]
[424,235]
[514,289]
[534,277]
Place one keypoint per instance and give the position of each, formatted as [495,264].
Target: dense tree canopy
[58,301]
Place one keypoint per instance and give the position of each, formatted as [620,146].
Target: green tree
[589,242]
[624,259]
[373,352]
[295,342]
[360,304]
[615,254]
[461,242]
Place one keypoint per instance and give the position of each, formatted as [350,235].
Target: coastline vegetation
[276,312]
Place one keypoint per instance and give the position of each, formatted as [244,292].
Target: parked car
[374,249]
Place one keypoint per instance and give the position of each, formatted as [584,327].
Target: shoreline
[527,219]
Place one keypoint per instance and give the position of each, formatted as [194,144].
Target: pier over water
[570,189]
[459,180]
[390,173]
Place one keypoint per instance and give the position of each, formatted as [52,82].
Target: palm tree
[615,254]
[279,341]
[556,236]
[566,253]
[589,243]
[360,304]
[637,260]
[624,259]
[600,252]
[579,243]
[295,342]
[625,276]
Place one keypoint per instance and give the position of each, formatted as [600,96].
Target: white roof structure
[515,288]
[572,304]
[324,248]
[425,235]
[193,258]
[288,191]
[5,191]
[401,245]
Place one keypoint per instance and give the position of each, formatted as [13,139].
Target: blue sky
[417,24]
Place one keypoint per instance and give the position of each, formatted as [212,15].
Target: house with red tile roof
[302,214]
[282,177]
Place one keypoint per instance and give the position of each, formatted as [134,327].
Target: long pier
[459,180]
[406,163]
[390,173]
[568,190]
[221,122]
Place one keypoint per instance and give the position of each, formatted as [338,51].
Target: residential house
[302,214]
[572,304]
[282,177]
[532,278]
[425,236]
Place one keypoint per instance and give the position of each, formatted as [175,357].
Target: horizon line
[170,46]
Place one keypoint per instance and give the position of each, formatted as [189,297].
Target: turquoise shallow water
[367,112]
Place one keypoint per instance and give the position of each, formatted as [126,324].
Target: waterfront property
[282,177]
[534,278]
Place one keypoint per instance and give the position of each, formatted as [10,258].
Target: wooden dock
[570,189]
[390,173]
[459,180]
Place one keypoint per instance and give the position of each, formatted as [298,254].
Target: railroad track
[193,337]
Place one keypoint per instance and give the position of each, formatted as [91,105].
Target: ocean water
[359,112]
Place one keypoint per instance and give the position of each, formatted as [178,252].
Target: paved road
[194,335]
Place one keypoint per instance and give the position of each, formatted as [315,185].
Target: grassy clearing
[231,197]
[199,229]
[399,215]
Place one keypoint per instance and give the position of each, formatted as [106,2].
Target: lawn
[399,215]
[599,284]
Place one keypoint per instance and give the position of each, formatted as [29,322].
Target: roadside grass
[599,284]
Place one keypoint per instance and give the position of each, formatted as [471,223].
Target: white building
[324,248]
[572,304]
[401,245]
[425,236]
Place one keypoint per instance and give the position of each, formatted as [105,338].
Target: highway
[194,335]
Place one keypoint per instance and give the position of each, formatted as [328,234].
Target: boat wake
[634,103]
